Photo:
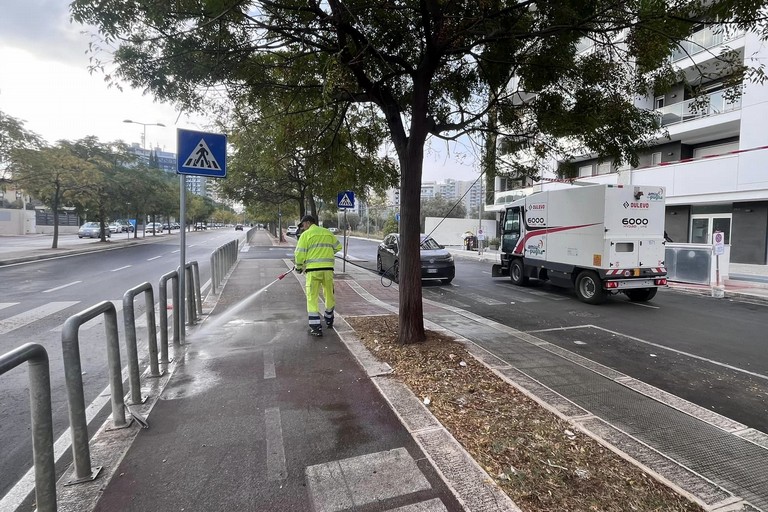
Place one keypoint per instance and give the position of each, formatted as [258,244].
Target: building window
[658,102]
[585,170]
[604,168]
[656,158]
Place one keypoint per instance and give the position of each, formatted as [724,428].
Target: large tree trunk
[55,243]
[411,308]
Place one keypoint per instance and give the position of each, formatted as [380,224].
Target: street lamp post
[143,144]
[144,136]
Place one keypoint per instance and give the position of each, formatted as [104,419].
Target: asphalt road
[37,299]
[711,353]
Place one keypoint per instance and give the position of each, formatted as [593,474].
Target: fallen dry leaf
[543,463]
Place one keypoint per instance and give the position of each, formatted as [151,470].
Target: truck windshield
[512,222]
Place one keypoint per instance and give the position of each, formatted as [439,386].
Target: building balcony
[704,40]
[713,104]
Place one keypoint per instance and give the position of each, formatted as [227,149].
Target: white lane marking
[567,328]
[121,268]
[177,250]
[26,318]
[275,450]
[269,364]
[93,322]
[644,305]
[662,347]
[156,257]
[60,287]
[4,305]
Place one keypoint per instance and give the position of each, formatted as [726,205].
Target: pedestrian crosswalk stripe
[93,322]
[202,158]
[4,305]
[22,319]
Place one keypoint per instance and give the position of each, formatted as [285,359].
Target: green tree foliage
[107,178]
[429,68]
[13,138]
[391,225]
[305,157]
[57,176]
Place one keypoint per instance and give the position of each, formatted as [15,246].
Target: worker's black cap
[308,218]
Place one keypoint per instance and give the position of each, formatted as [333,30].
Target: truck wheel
[589,288]
[641,294]
[396,270]
[517,273]
[379,266]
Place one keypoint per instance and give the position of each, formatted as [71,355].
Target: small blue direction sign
[345,199]
[201,153]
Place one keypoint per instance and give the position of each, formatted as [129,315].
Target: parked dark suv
[436,261]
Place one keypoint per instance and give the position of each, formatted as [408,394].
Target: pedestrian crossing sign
[345,199]
[201,154]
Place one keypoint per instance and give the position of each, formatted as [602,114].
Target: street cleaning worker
[315,256]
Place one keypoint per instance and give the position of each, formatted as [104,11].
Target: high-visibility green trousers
[316,280]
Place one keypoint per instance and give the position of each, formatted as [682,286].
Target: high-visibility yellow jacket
[315,249]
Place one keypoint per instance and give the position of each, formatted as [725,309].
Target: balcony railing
[716,103]
[704,39]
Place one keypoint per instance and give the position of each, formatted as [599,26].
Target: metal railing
[42,419]
[131,345]
[222,260]
[704,39]
[192,292]
[162,302]
[716,103]
[39,377]
[70,344]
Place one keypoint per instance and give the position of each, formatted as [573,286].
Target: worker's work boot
[315,331]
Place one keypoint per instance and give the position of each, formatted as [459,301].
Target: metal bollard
[198,296]
[190,295]
[163,305]
[214,271]
[42,420]
[131,344]
[73,374]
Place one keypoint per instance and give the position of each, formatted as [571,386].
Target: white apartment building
[450,188]
[714,165]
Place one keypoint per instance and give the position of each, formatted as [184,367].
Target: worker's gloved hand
[298,270]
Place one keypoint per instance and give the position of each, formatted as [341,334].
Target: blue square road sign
[345,199]
[201,153]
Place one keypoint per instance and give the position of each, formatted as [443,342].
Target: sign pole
[182,255]
[344,261]
[718,247]
[198,154]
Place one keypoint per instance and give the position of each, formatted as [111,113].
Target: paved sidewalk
[258,415]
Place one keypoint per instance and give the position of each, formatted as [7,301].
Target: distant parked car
[91,230]
[238,227]
[115,227]
[292,230]
[153,227]
[436,262]
[333,230]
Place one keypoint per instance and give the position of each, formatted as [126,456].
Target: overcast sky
[45,82]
